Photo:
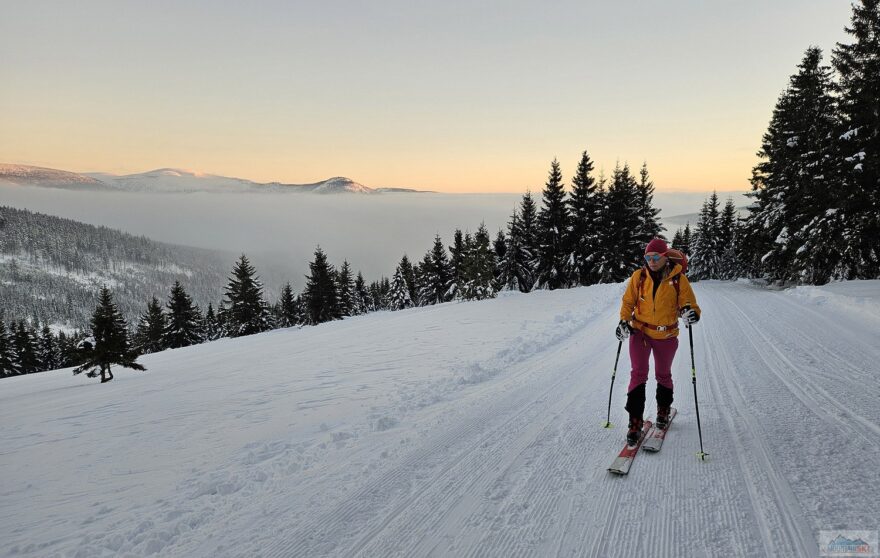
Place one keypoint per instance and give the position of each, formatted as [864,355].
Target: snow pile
[860,298]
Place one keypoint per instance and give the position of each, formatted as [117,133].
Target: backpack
[678,257]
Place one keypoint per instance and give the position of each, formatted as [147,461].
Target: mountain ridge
[170,180]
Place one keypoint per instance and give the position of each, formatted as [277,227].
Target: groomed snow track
[510,459]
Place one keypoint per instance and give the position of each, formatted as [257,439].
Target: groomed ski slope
[465,429]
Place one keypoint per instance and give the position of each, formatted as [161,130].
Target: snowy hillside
[52,268]
[458,430]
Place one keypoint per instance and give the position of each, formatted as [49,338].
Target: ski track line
[556,481]
[647,513]
[361,455]
[774,504]
[494,434]
[510,382]
[814,403]
[821,349]
[360,505]
[529,437]
[836,351]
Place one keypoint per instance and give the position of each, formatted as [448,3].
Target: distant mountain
[25,175]
[335,185]
[52,268]
[177,181]
[173,181]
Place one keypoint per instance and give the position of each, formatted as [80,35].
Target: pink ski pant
[640,348]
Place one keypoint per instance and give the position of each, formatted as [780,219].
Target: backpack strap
[639,289]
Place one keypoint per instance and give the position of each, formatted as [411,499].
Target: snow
[456,430]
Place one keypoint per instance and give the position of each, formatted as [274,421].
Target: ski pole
[702,455]
[610,391]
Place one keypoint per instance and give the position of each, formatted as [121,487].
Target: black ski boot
[662,418]
[664,404]
[635,430]
[635,406]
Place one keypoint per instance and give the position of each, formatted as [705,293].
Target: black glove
[623,330]
[689,315]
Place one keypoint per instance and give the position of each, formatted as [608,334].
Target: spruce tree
[499,246]
[677,239]
[553,223]
[858,65]
[109,343]
[211,328]
[481,267]
[399,297]
[422,269]
[287,315]
[66,350]
[585,205]
[457,251]
[622,250]
[8,359]
[183,324]
[437,275]
[728,235]
[706,249]
[508,266]
[47,350]
[150,332]
[376,300]
[649,225]
[25,340]
[245,310]
[529,242]
[409,276]
[686,239]
[320,295]
[797,182]
[345,288]
[361,295]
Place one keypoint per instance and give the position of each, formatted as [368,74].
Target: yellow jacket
[661,310]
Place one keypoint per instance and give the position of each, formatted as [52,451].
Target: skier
[656,296]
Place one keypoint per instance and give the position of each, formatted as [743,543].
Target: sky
[476,96]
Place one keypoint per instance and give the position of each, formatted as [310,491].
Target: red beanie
[657,245]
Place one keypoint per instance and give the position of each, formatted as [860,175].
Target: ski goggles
[655,258]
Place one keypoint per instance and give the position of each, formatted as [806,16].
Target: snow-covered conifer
[183,324]
[553,223]
[109,343]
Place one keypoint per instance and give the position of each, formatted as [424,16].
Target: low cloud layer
[371,232]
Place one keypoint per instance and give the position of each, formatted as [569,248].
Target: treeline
[594,234]
[815,215]
[712,246]
[816,210]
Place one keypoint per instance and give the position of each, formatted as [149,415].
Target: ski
[654,441]
[624,460]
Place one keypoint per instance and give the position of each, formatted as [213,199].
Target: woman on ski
[656,296]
